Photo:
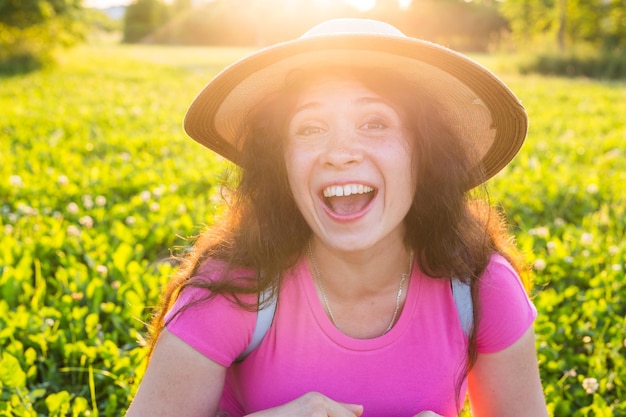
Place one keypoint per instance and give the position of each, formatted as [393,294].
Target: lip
[353,216]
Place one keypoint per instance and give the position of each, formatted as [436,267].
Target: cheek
[412,160]
[296,171]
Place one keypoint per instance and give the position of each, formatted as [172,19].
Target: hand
[428,414]
[312,404]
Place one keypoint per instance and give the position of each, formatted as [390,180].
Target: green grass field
[98,183]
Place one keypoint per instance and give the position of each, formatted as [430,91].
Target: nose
[342,149]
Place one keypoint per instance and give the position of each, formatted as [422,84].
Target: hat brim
[483,112]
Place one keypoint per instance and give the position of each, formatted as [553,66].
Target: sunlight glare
[405,4]
[362,5]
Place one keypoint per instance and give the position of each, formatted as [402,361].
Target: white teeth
[348,189]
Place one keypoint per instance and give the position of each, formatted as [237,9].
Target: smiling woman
[352,218]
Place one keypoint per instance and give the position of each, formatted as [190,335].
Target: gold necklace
[318,278]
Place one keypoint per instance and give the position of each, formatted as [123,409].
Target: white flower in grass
[551,246]
[63,180]
[73,230]
[592,188]
[8,229]
[181,209]
[86,221]
[173,187]
[125,156]
[87,201]
[569,259]
[586,238]
[12,217]
[154,207]
[539,265]
[616,267]
[26,209]
[102,270]
[72,208]
[145,196]
[16,181]
[57,215]
[559,222]
[159,191]
[101,201]
[540,232]
[130,220]
[613,250]
[590,385]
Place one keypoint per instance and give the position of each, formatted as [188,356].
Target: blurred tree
[457,23]
[31,31]
[142,18]
[601,23]
[180,6]
[463,25]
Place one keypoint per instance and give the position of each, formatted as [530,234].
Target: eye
[374,124]
[309,130]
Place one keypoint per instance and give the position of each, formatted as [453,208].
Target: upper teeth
[348,189]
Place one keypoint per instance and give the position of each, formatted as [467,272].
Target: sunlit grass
[98,183]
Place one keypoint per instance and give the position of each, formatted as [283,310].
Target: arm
[507,383]
[179,381]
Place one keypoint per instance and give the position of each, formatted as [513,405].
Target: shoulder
[499,275]
[506,311]
[200,318]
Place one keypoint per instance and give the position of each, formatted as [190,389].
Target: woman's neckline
[326,325]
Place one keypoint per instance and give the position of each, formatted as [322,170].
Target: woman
[352,218]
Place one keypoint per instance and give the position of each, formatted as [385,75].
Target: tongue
[347,205]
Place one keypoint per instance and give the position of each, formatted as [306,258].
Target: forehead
[332,92]
[334,87]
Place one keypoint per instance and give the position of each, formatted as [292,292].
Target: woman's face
[349,164]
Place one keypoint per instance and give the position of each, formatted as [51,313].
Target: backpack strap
[264,319]
[462,294]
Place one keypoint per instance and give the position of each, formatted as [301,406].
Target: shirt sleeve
[214,326]
[506,312]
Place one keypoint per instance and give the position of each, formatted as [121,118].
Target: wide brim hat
[479,108]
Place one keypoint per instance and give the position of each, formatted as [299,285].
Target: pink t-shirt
[414,367]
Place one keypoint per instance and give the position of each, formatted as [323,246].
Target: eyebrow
[360,100]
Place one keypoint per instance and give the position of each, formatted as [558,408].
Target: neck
[358,303]
[356,274]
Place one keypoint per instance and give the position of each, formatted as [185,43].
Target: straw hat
[478,106]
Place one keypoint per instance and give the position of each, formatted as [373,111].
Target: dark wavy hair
[452,231]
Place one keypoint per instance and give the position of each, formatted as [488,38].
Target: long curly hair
[453,230]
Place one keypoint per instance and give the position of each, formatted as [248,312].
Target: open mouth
[348,199]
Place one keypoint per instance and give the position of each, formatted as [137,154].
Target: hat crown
[352,26]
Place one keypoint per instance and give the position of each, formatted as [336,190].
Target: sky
[359,4]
